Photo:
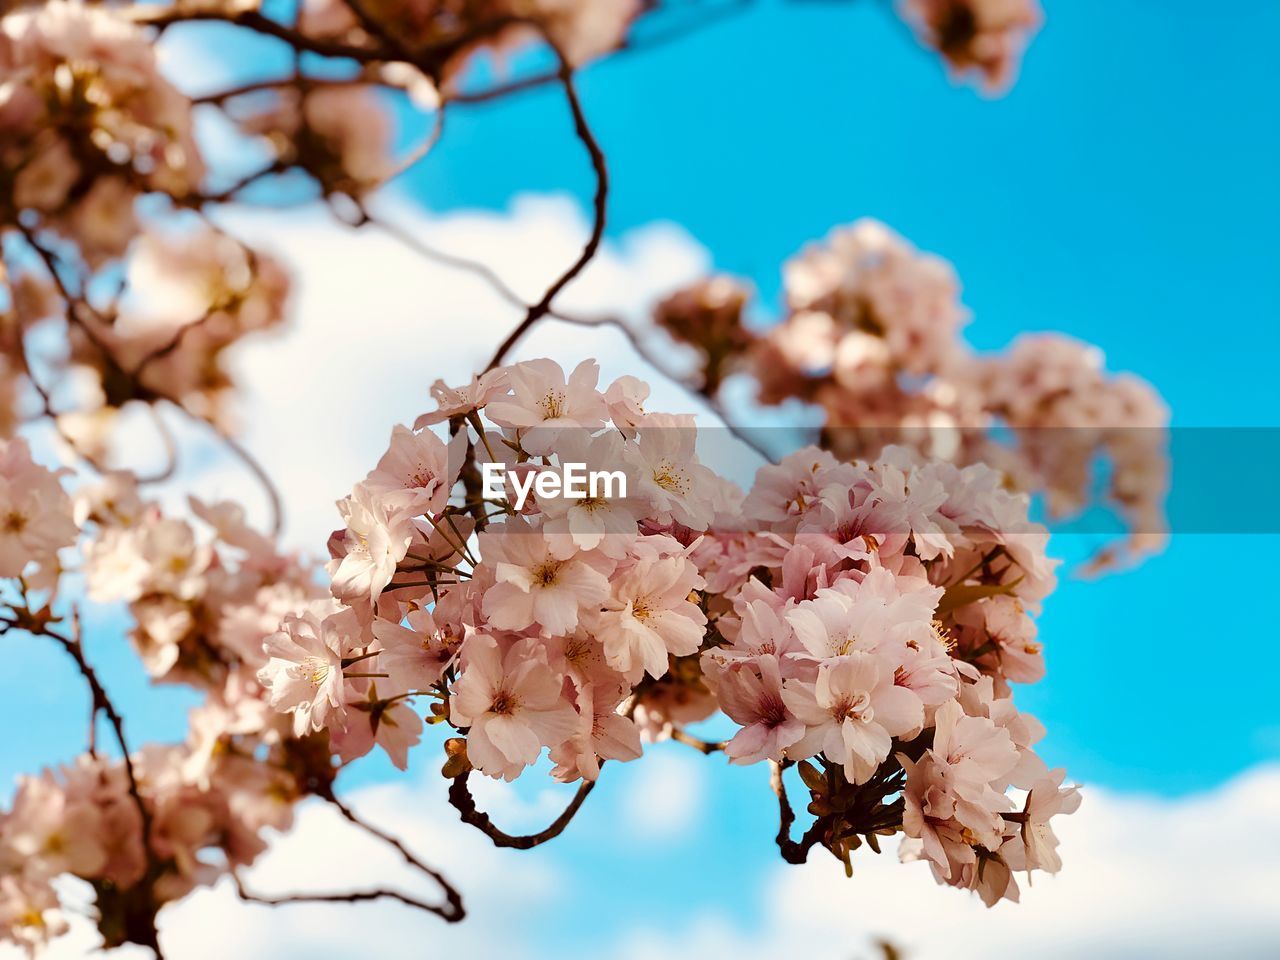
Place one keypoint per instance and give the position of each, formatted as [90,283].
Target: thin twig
[425,250]
[274,500]
[462,800]
[354,896]
[453,909]
[600,202]
[72,645]
[689,740]
[657,38]
[651,358]
[170,449]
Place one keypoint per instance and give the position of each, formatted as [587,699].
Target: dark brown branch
[588,139]
[429,60]
[354,896]
[462,800]
[258,23]
[793,851]
[73,301]
[453,909]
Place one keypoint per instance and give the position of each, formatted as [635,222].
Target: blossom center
[642,608]
[772,712]
[15,522]
[314,670]
[504,704]
[842,644]
[855,706]
[545,574]
[668,476]
[552,404]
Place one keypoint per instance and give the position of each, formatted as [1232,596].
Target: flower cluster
[871,336]
[205,816]
[574,603]
[858,615]
[862,619]
[339,134]
[456,31]
[146,831]
[878,615]
[88,123]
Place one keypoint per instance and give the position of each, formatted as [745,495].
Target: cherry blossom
[303,674]
[35,513]
[511,704]
[851,713]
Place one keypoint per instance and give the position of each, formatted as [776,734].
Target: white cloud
[374,324]
[1144,877]
[664,796]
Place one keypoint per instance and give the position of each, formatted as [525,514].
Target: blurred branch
[717,13]
[274,501]
[707,747]
[39,623]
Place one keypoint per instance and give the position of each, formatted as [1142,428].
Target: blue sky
[1124,192]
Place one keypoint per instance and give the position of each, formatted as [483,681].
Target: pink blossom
[603,734]
[374,542]
[754,700]
[303,675]
[55,829]
[414,655]
[35,513]
[784,493]
[677,486]
[512,704]
[974,752]
[852,712]
[880,613]
[649,615]
[543,403]
[625,400]
[414,475]
[534,586]
[460,401]
[1035,847]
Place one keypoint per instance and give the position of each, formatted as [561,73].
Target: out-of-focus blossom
[985,36]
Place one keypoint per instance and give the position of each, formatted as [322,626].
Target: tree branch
[596,155]
[793,851]
[452,910]
[707,747]
[462,800]
[354,896]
